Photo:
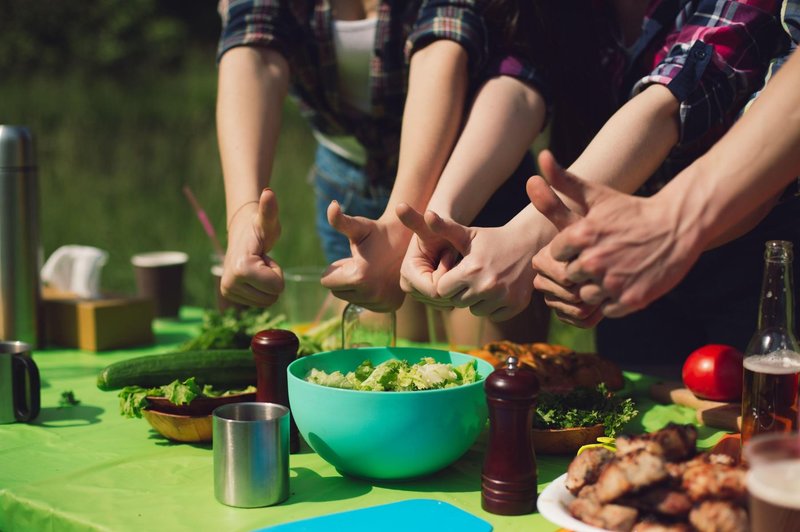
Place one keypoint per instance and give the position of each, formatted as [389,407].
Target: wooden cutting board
[721,415]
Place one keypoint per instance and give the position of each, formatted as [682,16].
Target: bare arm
[437,89]
[502,124]
[431,121]
[739,178]
[252,85]
[627,261]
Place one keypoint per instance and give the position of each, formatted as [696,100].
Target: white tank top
[354,41]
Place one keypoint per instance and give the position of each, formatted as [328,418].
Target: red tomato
[714,372]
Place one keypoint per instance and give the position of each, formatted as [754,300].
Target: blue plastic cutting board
[415,515]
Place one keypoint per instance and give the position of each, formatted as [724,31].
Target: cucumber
[226,369]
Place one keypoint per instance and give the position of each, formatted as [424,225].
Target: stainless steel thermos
[19,236]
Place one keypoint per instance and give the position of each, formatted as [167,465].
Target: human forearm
[252,85]
[738,179]
[633,143]
[434,106]
[504,119]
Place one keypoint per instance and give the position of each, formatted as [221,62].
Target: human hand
[626,251]
[249,276]
[371,277]
[560,294]
[493,277]
[427,258]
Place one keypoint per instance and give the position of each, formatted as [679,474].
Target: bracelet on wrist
[242,206]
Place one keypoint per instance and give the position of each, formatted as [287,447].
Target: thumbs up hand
[250,277]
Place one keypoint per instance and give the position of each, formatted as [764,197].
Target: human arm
[628,262]
[494,278]
[503,121]
[431,119]
[252,85]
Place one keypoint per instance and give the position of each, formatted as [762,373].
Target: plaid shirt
[712,55]
[301,31]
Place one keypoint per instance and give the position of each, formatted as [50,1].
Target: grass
[113,158]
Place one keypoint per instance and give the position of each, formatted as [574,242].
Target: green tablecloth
[87,468]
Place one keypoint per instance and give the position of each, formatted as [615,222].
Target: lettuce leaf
[133,399]
[398,376]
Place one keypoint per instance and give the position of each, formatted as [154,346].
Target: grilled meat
[628,474]
[710,481]
[677,469]
[653,525]
[660,500]
[609,516]
[719,516]
[674,442]
[586,468]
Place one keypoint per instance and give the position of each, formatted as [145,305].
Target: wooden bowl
[565,441]
[180,428]
[187,423]
[200,406]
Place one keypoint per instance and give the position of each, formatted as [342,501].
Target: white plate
[552,504]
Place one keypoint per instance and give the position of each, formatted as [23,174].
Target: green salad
[133,399]
[398,376]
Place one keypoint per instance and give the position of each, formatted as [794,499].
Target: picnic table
[86,467]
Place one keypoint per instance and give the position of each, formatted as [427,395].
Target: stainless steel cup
[19,383]
[251,454]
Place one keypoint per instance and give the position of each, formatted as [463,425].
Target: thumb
[583,193]
[415,221]
[458,235]
[548,203]
[267,218]
[355,228]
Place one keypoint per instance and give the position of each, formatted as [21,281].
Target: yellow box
[98,324]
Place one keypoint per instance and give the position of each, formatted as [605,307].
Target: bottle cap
[16,147]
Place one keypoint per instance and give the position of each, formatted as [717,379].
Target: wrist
[241,213]
[691,212]
[533,229]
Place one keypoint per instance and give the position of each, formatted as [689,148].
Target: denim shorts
[336,178]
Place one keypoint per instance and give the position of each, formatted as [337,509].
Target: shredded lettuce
[398,376]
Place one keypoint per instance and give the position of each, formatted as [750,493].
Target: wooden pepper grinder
[274,350]
[508,479]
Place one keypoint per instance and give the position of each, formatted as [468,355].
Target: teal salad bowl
[387,435]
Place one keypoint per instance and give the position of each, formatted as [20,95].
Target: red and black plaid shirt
[301,31]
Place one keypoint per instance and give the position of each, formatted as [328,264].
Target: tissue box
[110,322]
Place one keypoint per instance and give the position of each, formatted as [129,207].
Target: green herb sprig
[584,407]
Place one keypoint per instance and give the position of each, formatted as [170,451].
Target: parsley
[584,407]
[68,399]
[232,329]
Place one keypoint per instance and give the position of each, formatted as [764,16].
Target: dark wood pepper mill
[508,479]
[274,350]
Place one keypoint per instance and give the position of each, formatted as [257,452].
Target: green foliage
[584,407]
[101,37]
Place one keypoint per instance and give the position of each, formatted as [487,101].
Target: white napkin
[75,269]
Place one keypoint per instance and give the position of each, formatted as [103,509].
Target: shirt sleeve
[252,23]
[714,59]
[459,21]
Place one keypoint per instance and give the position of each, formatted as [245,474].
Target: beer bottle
[772,358]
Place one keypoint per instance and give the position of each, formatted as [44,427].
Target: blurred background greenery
[120,97]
